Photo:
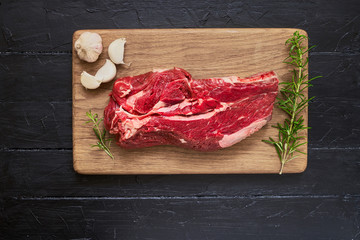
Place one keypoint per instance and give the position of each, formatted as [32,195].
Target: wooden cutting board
[205,53]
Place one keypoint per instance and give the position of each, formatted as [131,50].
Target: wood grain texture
[204,53]
[29,173]
[181,218]
[333,27]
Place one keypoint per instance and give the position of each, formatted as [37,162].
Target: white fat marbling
[229,140]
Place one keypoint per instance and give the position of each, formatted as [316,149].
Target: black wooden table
[43,198]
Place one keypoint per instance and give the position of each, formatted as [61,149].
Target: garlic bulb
[90,81]
[89,46]
[116,51]
[107,72]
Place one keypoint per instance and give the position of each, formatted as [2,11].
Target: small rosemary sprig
[102,143]
[293,102]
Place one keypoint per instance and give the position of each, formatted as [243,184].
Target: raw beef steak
[168,107]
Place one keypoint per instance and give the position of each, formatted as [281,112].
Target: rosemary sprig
[293,102]
[103,143]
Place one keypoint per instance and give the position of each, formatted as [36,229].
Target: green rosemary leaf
[311,79]
[300,144]
[103,134]
[293,101]
[267,141]
[100,134]
[300,152]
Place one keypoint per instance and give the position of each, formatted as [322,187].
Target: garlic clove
[89,46]
[90,81]
[116,51]
[107,72]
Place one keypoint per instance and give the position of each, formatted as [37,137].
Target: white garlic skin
[107,72]
[116,51]
[89,46]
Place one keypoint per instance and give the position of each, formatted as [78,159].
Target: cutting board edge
[76,32]
[82,171]
[300,168]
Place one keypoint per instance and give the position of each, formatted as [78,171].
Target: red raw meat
[168,107]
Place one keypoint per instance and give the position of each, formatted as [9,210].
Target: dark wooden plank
[35,78]
[182,218]
[35,125]
[333,113]
[340,77]
[51,173]
[334,27]
[334,124]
